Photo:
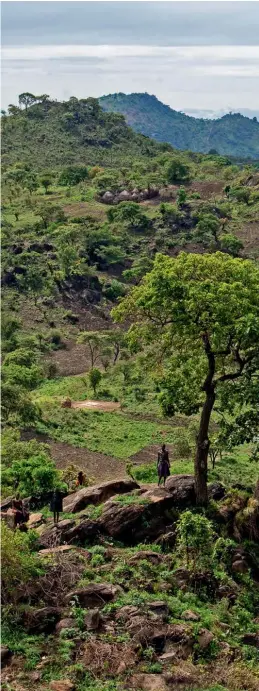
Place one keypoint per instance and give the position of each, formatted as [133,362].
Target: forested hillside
[233,134]
[130,319]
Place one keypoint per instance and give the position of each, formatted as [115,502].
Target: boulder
[159,607]
[6,503]
[53,551]
[239,566]
[54,535]
[64,685]
[148,555]
[167,540]
[92,620]
[94,594]
[251,639]
[85,531]
[148,682]
[168,657]
[216,491]
[205,638]
[41,620]
[126,612]
[189,615]
[181,488]
[6,654]
[35,520]
[97,494]
[67,623]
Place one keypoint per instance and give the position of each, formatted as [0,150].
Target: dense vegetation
[129,276]
[232,135]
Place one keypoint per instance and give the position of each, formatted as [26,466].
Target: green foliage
[95,377]
[231,244]
[177,172]
[195,535]
[130,214]
[72,175]
[19,565]
[33,475]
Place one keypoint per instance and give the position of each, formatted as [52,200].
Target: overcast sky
[202,55]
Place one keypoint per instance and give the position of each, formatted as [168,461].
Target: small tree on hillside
[46,181]
[202,313]
[95,377]
[177,172]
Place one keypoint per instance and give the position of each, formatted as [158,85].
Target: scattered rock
[180,675]
[181,487]
[6,654]
[168,657]
[167,540]
[94,594]
[67,623]
[35,520]
[41,620]
[159,607]
[126,612]
[122,668]
[52,551]
[97,494]
[216,491]
[64,685]
[251,639]
[92,620]
[240,566]
[205,638]
[35,676]
[148,682]
[189,615]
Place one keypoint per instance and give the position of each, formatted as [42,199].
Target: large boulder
[94,595]
[134,522]
[54,535]
[42,619]
[148,682]
[182,489]
[216,491]
[85,531]
[97,494]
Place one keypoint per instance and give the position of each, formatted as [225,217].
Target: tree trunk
[202,450]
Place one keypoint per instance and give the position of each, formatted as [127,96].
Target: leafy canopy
[182,300]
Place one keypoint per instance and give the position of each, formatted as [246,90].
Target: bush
[72,175]
[177,172]
[95,377]
[19,564]
[230,243]
[114,290]
[33,476]
[195,539]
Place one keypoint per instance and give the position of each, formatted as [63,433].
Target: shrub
[177,171]
[19,564]
[195,539]
[114,290]
[72,175]
[95,377]
[35,475]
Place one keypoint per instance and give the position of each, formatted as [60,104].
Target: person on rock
[21,515]
[56,504]
[80,479]
[163,465]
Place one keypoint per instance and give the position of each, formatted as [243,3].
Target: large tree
[202,313]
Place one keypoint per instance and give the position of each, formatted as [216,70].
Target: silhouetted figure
[56,504]
[163,464]
[80,479]
[21,515]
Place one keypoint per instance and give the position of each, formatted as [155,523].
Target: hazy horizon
[200,56]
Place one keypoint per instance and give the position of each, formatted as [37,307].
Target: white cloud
[41,52]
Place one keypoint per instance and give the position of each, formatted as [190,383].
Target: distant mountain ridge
[233,134]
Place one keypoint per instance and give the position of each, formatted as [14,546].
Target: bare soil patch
[107,406]
[95,465]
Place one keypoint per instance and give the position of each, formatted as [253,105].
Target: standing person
[56,504]
[163,464]
[21,515]
[80,479]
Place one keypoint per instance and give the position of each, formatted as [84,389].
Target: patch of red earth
[107,406]
[149,454]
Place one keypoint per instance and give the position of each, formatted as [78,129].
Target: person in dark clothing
[163,464]
[80,479]
[56,504]
[21,515]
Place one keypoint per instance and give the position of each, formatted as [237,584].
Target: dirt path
[107,406]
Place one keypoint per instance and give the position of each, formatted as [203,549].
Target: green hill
[233,134]
[50,134]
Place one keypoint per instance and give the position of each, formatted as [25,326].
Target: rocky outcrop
[182,489]
[94,595]
[54,535]
[135,522]
[97,494]
[85,531]
[41,620]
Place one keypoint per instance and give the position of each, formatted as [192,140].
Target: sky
[191,55]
